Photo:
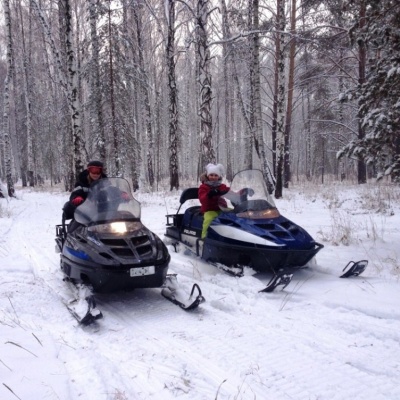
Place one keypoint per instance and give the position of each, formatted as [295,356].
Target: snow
[322,337]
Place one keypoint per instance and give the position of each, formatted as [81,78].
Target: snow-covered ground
[321,338]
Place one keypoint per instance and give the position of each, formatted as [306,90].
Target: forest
[301,89]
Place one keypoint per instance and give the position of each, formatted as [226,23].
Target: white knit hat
[215,169]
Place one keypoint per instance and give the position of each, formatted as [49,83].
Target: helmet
[95,163]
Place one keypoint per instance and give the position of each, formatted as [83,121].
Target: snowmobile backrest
[189,194]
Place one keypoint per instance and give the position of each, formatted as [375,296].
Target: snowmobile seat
[193,218]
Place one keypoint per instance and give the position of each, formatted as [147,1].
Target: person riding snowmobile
[93,173]
[210,192]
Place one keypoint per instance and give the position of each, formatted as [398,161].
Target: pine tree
[379,104]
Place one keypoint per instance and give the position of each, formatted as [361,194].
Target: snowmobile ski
[277,280]
[355,268]
[84,310]
[174,293]
[82,304]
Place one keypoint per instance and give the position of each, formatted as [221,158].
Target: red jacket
[210,203]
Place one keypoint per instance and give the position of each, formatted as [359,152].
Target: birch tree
[204,78]
[144,86]
[256,95]
[289,108]
[6,102]
[96,111]
[115,136]
[226,62]
[68,83]
[29,164]
[173,106]
[280,117]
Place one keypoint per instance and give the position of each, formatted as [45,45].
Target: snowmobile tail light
[116,227]
[264,214]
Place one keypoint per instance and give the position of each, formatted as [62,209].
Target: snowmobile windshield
[248,196]
[108,200]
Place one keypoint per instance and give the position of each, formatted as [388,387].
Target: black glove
[246,192]
[213,192]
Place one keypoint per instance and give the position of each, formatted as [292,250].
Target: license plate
[142,271]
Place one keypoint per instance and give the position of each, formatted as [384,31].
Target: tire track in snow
[148,348]
[181,366]
[334,331]
[80,352]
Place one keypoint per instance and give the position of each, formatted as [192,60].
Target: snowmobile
[106,248]
[249,232]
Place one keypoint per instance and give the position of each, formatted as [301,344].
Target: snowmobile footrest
[355,268]
[235,270]
[277,280]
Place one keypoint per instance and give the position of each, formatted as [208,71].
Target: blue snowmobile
[249,232]
[107,248]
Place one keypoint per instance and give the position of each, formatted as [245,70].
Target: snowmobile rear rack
[356,268]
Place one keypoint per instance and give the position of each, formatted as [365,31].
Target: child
[210,191]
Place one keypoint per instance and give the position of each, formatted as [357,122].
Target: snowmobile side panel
[259,258]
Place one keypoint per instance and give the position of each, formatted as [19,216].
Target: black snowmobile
[249,232]
[106,248]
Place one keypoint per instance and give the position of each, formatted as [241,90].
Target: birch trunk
[146,97]
[68,83]
[289,108]
[256,90]
[227,60]
[280,121]
[96,111]
[29,167]
[6,103]
[73,91]
[115,138]
[204,79]
[173,107]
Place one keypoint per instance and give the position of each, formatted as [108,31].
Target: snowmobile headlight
[264,214]
[116,227]
[162,251]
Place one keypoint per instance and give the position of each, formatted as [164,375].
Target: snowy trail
[321,338]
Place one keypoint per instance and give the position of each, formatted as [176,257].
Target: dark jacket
[82,185]
[210,203]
